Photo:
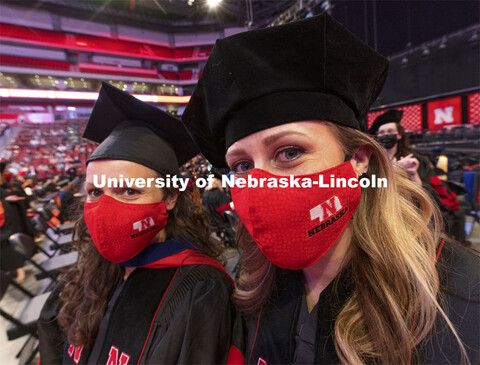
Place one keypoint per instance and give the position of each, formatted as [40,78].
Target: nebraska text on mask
[292,181]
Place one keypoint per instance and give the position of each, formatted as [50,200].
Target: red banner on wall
[8,116]
[445,112]
[474,108]
[411,119]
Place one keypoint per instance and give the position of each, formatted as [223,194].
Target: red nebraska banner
[474,108]
[445,112]
[411,119]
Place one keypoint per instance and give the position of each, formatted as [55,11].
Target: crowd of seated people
[23,197]
[50,168]
[3,128]
[46,150]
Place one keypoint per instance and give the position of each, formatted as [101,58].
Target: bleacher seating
[34,63]
[115,70]
[104,45]
[92,43]
[181,53]
[37,144]
[461,136]
[185,75]
[169,75]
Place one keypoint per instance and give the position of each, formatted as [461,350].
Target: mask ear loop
[364,175]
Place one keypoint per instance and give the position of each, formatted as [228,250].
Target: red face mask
[121,230]
[296,226]
[8,176]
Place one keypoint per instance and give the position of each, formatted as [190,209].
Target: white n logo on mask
[143,224]
[326,209]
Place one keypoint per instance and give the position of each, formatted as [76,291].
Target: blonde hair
[393,250]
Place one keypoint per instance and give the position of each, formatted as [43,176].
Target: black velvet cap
[390,116]
[130,129]
[310,69]
[62,183]
[3,165]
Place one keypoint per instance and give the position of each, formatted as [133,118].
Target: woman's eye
[94,193]
[131,192]
[289,154]
[242,167]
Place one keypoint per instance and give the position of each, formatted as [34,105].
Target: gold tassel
[196,195]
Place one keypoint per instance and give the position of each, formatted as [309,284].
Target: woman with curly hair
[334,270]
[148,287]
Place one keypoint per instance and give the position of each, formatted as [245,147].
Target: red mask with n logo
[296,226]
[121,230]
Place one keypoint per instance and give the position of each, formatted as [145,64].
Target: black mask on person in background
[387,140]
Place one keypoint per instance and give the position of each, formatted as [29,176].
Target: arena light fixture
[213,3]
[83,95]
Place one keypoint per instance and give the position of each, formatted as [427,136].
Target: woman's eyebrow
[235,152]
[274,137]
[266,141]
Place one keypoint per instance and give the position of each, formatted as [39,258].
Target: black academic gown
[15,221]
[17,209]
[211,200]
[10,223]
[67,206]
[454,221]
[274,341]
[157,316]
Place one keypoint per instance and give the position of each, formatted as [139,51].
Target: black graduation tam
[3,165]
[130,129]
[218,173]
[310,69]
[390,116]
[63,183]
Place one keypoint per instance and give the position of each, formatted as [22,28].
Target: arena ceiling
[388,26]
[170,15]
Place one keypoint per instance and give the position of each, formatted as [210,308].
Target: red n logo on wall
[445,112]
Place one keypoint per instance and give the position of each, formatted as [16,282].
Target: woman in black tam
[331,272]
[147,287]
[391,135]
